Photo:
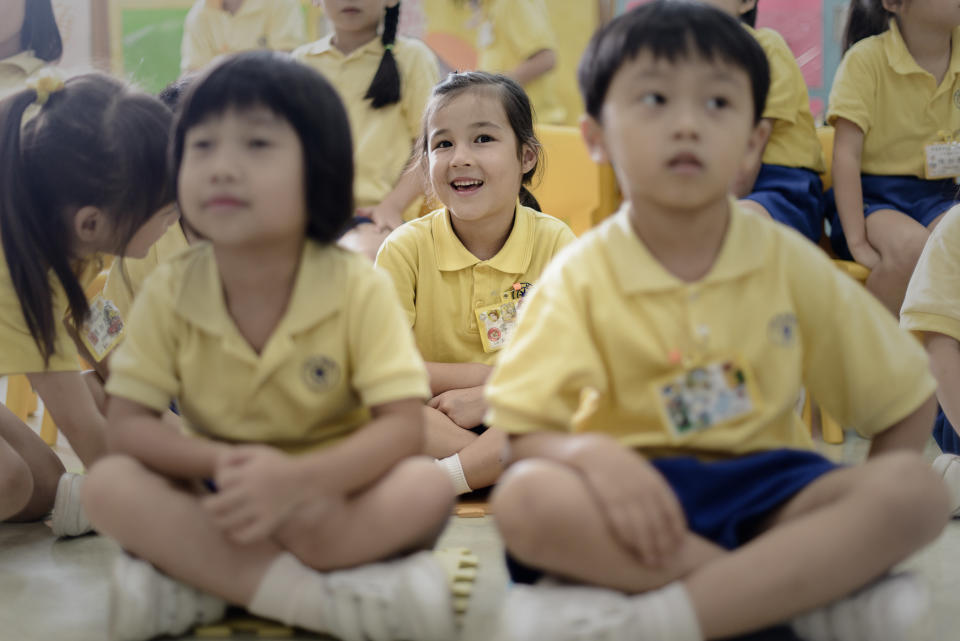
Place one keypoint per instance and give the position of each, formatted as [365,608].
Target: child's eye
[484,138]
[258,143]
[441,144]
[652,98]
[200,143]
[717,102]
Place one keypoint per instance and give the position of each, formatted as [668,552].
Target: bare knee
[432,488]
[910,497]
[904,254]
[106,484]
[16,484]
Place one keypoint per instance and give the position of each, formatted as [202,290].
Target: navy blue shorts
[944,434]
[728,501]
[792,196]
[922,200]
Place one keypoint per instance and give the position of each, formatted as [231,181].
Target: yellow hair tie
[45,82]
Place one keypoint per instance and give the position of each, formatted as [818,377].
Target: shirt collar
[324,46]
[513,257]
[639,272]
[314,295]
[25,61]
[903,63]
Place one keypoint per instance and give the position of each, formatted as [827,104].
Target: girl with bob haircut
[295,376]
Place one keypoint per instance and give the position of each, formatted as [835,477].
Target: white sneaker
[882,611]
[144,603]
[948,467]
[407,599]
[68,517]
[581,613]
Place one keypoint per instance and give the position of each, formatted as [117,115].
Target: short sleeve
[854,84]
[786,79]
[525,27]
[143,367]
[537,382]
[196,48]
[398,259]
[419,74]
[857,363]
[385,363]
[932,303]
[287,31]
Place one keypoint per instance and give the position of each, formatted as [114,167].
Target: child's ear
[528,158]
[758,140]
[592,133]
[747,5]
[893,6]
[90,226]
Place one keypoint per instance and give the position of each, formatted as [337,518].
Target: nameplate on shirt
[706,395]
[943,160]
[103,329]
[497,322]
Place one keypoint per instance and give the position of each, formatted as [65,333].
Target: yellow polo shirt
[19,353]
[932,303]
[609,324]
[126,276]
[793,141]
[441,284]
[15,70]
[511,32]
[382,138]
[573,22]
[340,348]
[880,88]
[209,31]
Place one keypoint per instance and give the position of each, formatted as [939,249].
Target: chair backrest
[825,134]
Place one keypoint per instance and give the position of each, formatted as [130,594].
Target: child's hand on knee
[258,488]
[465,407]
[640,507]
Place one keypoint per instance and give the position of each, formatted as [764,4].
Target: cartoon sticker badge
[497,322]
[705,396]
[103,329]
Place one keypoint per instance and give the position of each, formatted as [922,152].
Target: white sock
[671,608]
[294,594]
[455,471]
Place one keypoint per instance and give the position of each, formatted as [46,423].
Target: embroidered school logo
[956,98]
[320,373]
[782,330]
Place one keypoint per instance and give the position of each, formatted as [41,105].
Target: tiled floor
[57,590]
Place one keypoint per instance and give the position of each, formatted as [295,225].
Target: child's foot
[144,603]
[882,611]
[948,467]
[408,598]
[582,613]
[68,517]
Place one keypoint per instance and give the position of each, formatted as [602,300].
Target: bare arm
[140,432]
[72,405]
[533,67]
[910,433]
[847,151]
[449,376]
[388,213]
[944,354]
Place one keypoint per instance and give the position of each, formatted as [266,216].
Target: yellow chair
[572,187]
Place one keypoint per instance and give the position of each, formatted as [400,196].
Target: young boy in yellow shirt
[651,383]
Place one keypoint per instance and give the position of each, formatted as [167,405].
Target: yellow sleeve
[787,86]
[857,363]
[143,366]
[386,364]
[537,382]
[419,74]
[932,303]
[287,31]
[19,353]
[397,257]
[524,27]
[854,84]
[197,48]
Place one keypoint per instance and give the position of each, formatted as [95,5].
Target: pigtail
[28,243]
[865,18]
[527,199]
[385,88]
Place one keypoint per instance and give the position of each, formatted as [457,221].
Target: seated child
[932,308]
[29,39]
[650,386]
[217,27]
[786,185]
[293,495]
[463,271]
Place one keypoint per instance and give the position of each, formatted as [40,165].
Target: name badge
[497,323]
[943,160]
[705,396]
[103,329]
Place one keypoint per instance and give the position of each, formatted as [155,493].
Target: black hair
[384,90]
[172,93]
[39,32]
[670,29]
[94,143]
[750,17]
[516,104]
[865,18]
[302,97]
